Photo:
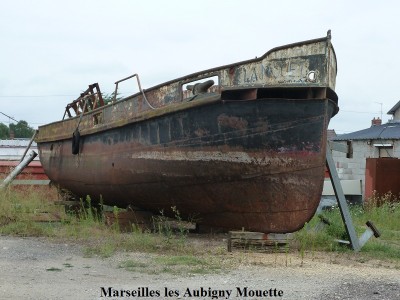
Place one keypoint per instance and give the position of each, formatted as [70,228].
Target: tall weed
[383,211]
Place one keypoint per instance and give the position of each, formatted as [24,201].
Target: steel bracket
[355,242]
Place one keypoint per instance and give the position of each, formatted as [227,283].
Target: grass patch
[131,265]
[24,203]
[187,264]
[52,269]
[383,213]
[172,264]
[18,207]
[180,260]
[179,253]
[67,265]
[87,226]
[26,228]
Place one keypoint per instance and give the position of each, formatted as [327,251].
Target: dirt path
[32,268]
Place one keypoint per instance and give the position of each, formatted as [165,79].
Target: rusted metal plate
[382,175]
[258,164]
[247,153]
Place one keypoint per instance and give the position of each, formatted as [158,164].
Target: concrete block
[354,165]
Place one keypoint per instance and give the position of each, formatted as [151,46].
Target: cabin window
[200,86]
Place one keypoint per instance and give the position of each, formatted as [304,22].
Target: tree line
[20,130]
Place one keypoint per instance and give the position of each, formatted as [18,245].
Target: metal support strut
[355,243]
[18,169]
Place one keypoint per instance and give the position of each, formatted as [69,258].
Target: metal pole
[29,145]
[18,169]
[344,209]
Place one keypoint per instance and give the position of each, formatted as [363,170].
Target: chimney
[376,121]
[12,135]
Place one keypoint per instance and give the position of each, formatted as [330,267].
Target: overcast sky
[51,50]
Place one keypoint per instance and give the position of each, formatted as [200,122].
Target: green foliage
[4,132]
[171,236]
[172,231]
[87,225]
[132,265]
[103,250]
[53,269]
[17,214]
[173,264]
[22,130]
[383,211]
[108,98]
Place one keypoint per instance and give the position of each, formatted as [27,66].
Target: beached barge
[238,146]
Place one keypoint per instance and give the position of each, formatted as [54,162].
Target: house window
[385,150]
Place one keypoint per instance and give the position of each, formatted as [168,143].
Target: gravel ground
[35,268]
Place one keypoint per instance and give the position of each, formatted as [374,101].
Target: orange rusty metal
[382,175]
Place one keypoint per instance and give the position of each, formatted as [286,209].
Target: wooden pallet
[247,240]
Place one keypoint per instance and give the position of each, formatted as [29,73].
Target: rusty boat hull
[246,153]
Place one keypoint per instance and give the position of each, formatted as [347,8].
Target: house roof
[386,131]
[14,149]
[16,143]
[394,108]
[331,134]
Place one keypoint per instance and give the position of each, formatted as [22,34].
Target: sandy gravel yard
[35,268]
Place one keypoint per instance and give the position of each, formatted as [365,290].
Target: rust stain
[201,132]
[232,122]
[248,152]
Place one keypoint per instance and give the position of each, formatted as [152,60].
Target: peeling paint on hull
[249,155]
[266,176]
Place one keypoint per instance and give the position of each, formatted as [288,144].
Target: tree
[22,130]
[4,132]
[108,98]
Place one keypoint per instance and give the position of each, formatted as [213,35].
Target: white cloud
[59,47]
